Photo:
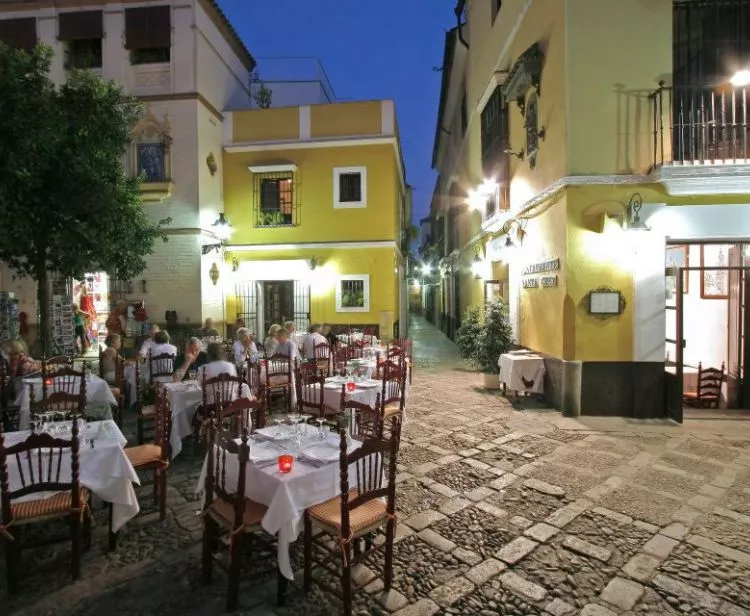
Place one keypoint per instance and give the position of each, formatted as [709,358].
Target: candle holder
[285,463]
[351,386]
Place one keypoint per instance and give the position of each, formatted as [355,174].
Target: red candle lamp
[350,386]
[49,381]
[285,463]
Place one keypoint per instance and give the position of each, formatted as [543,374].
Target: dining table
[313,479]
[98,394]
[103,466]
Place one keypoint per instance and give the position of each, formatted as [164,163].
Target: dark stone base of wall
[616,389]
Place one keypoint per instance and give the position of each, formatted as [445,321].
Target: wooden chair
[146,413]
[344,354]
[42,466]
[323,358]
[361,510]
[63,390]
[393,391]
[160,367]
[227,510]
[708,391]
[52,364]
[253,377]
[152,457]
[243,414]
[368,421]
[310,393]
[9,413]
[279,378]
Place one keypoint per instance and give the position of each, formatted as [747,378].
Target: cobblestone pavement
[501,511]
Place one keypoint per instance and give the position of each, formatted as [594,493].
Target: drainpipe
[459,10]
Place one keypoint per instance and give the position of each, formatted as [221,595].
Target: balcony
[700,126]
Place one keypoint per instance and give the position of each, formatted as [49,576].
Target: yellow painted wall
[342,119]
[611,71]
[544,313]
[377,262]
[274,124]
[319,221]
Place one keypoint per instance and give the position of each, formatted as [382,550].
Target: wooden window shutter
[81,25]
[148,27]
[19,33]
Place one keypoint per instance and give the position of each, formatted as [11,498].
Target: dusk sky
[383,49]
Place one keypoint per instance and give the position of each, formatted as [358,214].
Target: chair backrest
[394,383]
[305,368]
[52,364]
[252,377]
[310,392]
[369,419]
[160,366]
[221,444]
[242,414]
[225,385]
[369,479]
[41,463]
[346,353]
[322,350]
[62,390]
[709,383]
[278,365]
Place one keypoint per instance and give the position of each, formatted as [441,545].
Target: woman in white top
[313,339]
[270,342]
[216,365]
[244,348]
[148,343]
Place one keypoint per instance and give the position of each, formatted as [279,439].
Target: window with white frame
[349,187]
[353,293]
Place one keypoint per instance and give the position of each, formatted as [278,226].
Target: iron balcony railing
[700,125]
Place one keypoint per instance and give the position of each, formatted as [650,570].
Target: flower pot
[491,381]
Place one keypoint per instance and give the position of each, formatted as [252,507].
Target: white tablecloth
[97,393]
[143,371]
[522,372]
[185,398]
[104,469]
[286,495]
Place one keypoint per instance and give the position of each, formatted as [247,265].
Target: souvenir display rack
[61,318]
[9,321]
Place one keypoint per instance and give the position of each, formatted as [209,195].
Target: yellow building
[318,203]
[565,126]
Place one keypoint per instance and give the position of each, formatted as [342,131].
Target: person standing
[79,326]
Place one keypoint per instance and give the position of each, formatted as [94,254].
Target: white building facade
[184,60]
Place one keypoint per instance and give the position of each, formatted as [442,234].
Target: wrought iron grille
[495,143]
[301,305]
[353,293]
[350,187]
[246,298]
[275,202]
[700,125]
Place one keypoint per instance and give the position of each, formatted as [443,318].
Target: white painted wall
[649,292]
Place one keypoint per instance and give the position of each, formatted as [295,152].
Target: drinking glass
[321,436]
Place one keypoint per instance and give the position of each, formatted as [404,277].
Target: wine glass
[321,435]
[278,419]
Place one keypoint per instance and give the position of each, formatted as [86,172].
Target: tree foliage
[483,338]
[262,94]
[66,204]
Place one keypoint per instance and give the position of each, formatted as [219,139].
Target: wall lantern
[634,222]
[211,163]
[477,264]
[213,273]
[741,79]
[222,230]
[313,262]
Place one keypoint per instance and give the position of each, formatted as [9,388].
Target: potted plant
[483,337]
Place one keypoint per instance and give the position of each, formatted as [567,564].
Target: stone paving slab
[500,511]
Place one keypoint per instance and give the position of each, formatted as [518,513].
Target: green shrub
[482,339]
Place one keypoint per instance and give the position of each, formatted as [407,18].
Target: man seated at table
[313,338]
[244,348]
[148,343]
[325,331]
[285,347]
[193,358]
[216,365]
[209,330]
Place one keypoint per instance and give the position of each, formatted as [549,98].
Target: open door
[673,377]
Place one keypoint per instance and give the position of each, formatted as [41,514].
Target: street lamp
[222,230]
[741,79]
[634,217]
[476,264]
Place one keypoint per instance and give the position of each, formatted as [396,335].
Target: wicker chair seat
[39,509]
[362,520]
[149,410]
[144,455]
[223,512]
[278,380]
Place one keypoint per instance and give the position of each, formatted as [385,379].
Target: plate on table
[264,451]
[369,384]
[281,432]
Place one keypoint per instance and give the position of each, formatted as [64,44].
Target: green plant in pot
[483,337]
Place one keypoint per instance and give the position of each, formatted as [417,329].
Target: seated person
[209,330]
[244,348]
[193,358]
[325,331]
[216,365]
[20,362]
[162,346]
[313,338]
[284,346]
[294,336]
[271,342]
[148,343]
[109,358]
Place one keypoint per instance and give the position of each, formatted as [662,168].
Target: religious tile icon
[150,158]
